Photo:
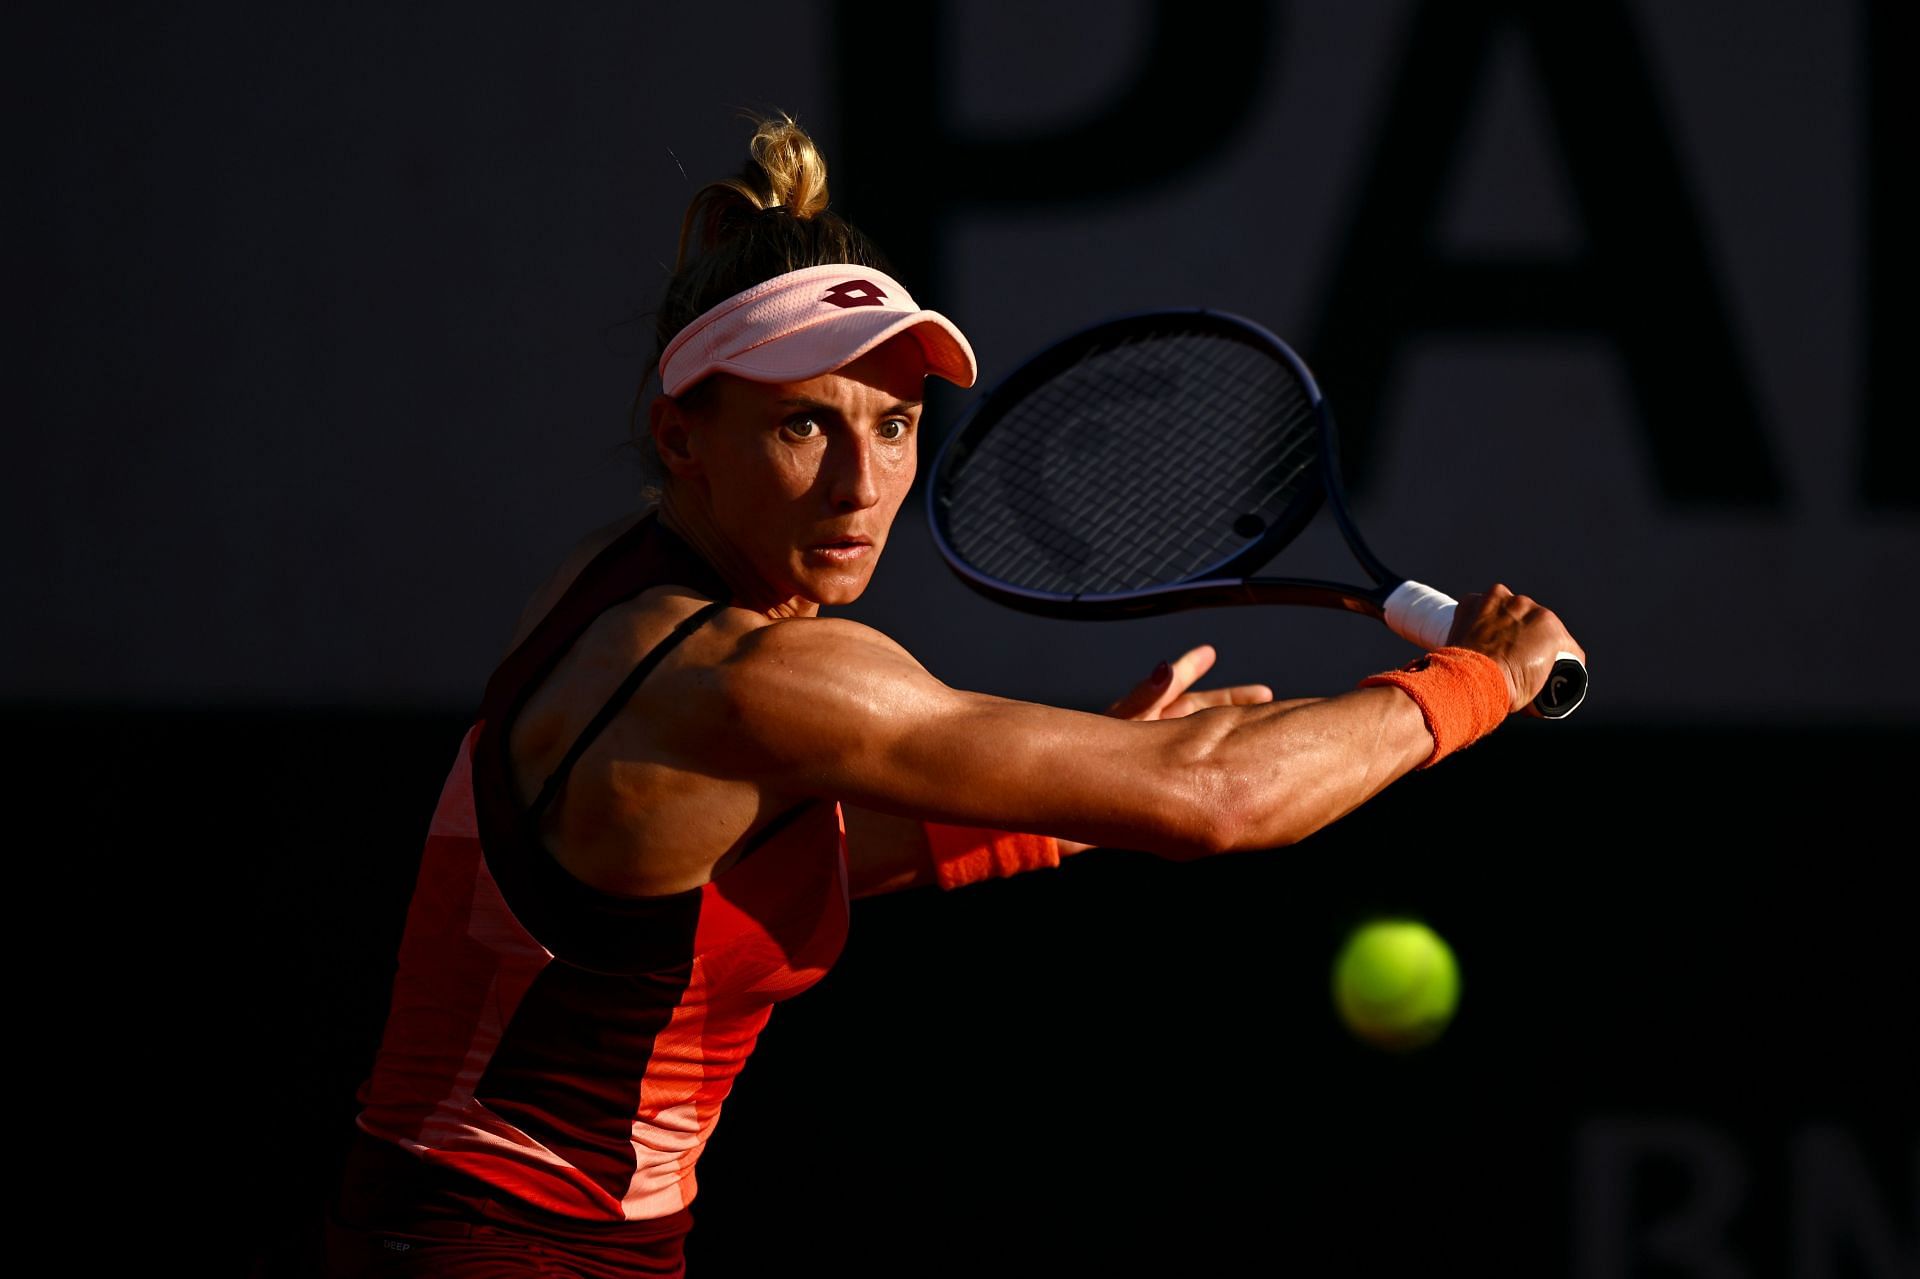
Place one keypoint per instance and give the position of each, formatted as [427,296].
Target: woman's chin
[832,586]
[838,592]
[832,590]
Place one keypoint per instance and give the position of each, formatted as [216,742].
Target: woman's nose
[855,486]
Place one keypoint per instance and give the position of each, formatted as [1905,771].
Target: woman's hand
[1165,694]
[1524,637]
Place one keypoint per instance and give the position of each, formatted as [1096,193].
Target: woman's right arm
[829,707]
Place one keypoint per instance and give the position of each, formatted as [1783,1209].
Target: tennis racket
[1147,465]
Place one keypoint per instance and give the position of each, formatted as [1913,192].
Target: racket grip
[1424,616]
[1421,615]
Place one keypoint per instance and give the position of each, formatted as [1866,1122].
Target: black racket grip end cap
[1566,688]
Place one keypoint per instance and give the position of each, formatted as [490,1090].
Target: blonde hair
[785,171]
[768,219]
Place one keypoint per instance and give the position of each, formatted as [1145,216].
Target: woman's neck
[693,522]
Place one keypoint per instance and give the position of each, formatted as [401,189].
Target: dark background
[325,326]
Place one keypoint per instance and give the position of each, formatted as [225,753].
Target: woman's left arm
[886,853]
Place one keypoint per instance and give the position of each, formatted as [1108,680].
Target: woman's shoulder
[750,669]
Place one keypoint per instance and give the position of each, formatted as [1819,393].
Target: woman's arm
[829,707]
[886,853]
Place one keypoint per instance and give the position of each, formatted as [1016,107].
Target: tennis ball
[1395,983]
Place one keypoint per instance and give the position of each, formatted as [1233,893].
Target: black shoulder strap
[614,704]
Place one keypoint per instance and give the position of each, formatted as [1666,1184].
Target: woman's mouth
[841,551]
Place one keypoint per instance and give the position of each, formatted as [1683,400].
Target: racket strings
[1141,463]
[1076,483]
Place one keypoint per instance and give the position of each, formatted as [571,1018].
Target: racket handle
[1424,616]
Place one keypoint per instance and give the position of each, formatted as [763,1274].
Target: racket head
[1124,465]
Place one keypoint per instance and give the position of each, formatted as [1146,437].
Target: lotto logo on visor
[854,293]
[808,322]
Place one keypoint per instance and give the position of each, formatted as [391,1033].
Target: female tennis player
[683,769]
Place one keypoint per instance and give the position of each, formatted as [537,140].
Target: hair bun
[786,174]
[793,173]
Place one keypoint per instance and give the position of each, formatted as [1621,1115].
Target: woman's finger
[1190,666]
[1143,698]
[1200,699]
[1169,681]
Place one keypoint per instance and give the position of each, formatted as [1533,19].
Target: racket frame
[1218,584]
[1213,585]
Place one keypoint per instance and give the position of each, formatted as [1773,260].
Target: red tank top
[567,1046]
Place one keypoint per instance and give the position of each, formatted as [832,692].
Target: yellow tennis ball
[1396,983]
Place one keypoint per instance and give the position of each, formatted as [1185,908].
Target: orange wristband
[968,854]
[1461,692]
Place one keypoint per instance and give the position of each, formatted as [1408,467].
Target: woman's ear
[672,430]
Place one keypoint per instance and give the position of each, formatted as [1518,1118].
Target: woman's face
[803,479]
